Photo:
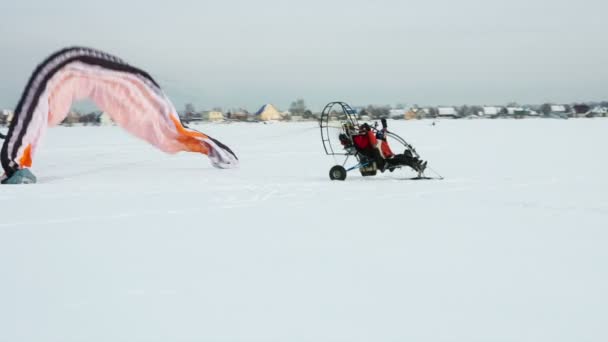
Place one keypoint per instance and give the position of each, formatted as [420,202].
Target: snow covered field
[120,242]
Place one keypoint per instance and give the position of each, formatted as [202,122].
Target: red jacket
[363,141]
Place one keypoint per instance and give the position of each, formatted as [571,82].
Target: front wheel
[337,172]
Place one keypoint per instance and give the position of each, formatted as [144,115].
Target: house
[287,115]
[490,111]
[397,113]
[599,111]
[411,114]
[426,113]
[105,119]
[532,113]
[213,115]
[519,112]
[447,112]
[268,112]
[238,115]
[559,111]
[194,116]
[416,113]
[581,111]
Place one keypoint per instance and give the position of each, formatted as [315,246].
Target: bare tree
[189,108]
[545,108]
[475,110]
[298,107]
[463,110]
[376,113]
[189,112]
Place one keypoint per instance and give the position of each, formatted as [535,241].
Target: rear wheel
[337,172]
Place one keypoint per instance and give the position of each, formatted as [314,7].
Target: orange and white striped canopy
[129,95]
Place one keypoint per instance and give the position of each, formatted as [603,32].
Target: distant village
[298,111]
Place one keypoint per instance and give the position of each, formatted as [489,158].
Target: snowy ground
[119,242]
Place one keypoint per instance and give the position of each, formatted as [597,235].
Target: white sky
[247,53]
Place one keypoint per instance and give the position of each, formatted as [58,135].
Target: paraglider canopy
[129,95]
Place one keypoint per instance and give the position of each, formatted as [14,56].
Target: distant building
[411,114]
[447,112]
[424,113]
[268,112]
[416,113]
[490,111]
[195,116]
[213,115]
[105,119]
[559,111]
[599,111]
[581,111]
[397,113]
[518,112]
[238,115]
[190,116]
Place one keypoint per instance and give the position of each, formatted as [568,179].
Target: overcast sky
[247,53]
